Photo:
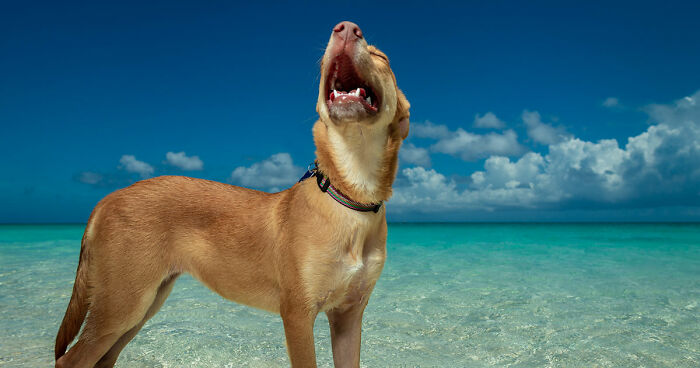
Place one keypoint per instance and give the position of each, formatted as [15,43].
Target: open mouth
[346,89]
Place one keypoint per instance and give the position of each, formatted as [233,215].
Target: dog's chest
[354,274]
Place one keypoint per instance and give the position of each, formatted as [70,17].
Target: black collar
[324,183]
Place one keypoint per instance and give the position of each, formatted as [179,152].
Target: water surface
[451,295]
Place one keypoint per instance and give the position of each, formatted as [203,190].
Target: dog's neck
[359,162]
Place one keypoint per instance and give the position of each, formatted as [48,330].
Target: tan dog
[297,252]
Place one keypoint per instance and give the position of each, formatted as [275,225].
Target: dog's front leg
[346,330]
[299,331]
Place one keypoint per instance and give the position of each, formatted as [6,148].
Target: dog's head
[357,85]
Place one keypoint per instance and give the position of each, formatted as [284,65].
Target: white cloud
[181,160]
[463,144]
[659,167]
[89,177]
[425,186]
[489,120]
[469,146]
[429,130]
[274,173]
[541,132]
[611,102]
[411,154]
[500,172]
[131,164]
[429,191]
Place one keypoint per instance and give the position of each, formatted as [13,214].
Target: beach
[450,295]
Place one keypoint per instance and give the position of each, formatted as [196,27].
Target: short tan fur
[297,252]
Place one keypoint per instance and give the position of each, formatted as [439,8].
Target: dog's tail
[79,301]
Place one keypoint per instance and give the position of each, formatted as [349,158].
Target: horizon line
[425,222]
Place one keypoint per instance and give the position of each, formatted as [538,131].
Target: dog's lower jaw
[347,114]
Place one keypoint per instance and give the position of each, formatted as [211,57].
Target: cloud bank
[659,167]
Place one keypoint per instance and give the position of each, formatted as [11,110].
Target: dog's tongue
[355,94]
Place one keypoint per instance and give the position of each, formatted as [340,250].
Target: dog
[318,246]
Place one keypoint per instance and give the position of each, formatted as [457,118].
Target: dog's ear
[401,119]
[403,128]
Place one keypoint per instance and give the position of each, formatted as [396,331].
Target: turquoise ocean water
[455,295]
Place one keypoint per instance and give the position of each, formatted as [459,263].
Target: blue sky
[537,111]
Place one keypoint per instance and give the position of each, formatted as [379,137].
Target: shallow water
[451,295]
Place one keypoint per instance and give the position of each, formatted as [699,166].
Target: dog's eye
[381,56]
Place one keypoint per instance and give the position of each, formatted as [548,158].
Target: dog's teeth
[356,93]
[369,100]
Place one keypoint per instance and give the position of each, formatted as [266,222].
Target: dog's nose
[348,31]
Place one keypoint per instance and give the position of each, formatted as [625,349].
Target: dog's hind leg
[112,313]
[110,358]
